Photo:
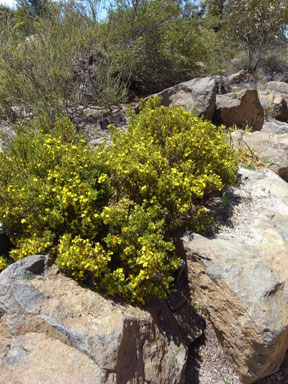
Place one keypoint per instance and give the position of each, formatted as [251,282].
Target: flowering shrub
[171,158]
[106,215]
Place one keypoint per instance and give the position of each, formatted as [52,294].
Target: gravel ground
[208,364]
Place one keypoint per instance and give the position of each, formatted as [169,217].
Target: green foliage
[40,62]
[196,306]
[161,44]
[255,25]
[5,14]
[55,54]
[106,216]
[51,60]
[34,7]
[214,12]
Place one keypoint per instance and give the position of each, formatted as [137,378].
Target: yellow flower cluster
[34,245]
[3,263]
[170,157]
[77,256]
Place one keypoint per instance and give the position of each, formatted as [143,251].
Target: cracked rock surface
[53,330]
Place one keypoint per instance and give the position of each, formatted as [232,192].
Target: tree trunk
[250,61]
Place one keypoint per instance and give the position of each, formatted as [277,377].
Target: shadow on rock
[194,361]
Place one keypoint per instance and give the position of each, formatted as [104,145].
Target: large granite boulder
[54,331]
[240,108]
[240,277]
[196,96]
[272,149]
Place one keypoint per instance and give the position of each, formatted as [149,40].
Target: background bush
[53,55]
[107,216]
[40,69]
[50,60]
[164,43]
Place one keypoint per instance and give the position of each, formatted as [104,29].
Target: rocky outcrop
[240,277]
[272,149]
[7,133]
[239,108]
[211,98]
[277,86]
[101,140]
[274,98]
[197,96]
[241,78]
[275,105]
[53,330]
[274,126]
[222,100]
[94,122]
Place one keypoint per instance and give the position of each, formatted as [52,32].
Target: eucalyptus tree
[255,26]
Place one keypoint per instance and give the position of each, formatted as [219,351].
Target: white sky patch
[9,3]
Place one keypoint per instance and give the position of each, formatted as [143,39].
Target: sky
[10,3]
